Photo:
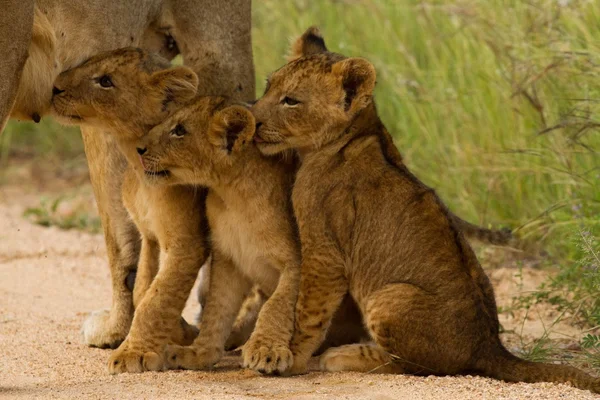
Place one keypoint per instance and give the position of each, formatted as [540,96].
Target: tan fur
[370,228]
[246,319]
[39,71]
[170,219]
[209,143]
[220,53]
[253,235]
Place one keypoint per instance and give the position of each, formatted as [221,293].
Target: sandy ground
[51,279]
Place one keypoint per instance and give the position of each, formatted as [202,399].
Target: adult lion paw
[100,330]
[191,357]
[267,357]
[134,360]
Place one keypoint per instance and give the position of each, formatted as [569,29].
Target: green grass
[50,213]
[45,140]
[495,103]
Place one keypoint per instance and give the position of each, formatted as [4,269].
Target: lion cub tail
[509,368]
[491,236]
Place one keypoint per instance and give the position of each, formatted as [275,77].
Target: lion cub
[253,235]
[127,92]
[369,227]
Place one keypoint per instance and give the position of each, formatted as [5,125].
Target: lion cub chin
[210,143]
[370,228]
[126,92]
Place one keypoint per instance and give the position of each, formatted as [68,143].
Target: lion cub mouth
[160,174]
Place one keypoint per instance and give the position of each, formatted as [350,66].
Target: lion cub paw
[191,357]
[267,357]
[126,359]
[296,369]
[184,333]
[99,330]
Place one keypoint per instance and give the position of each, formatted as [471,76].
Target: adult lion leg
[108,328]
[228,288]
[214,38]
[16,24]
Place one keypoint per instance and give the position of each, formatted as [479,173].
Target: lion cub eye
[288,101]
[178,131]
[105,81]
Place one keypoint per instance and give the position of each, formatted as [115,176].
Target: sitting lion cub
[253,234]
[369,227]
[128,91]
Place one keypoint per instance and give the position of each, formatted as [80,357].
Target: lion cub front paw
[266,356]
[191,357]
[126,359]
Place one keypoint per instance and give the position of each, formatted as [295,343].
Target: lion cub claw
[267,357]
[134,360]
[191,357]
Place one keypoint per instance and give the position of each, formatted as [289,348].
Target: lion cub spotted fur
[370,228]
[127,92]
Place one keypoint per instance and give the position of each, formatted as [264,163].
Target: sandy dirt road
[50,279]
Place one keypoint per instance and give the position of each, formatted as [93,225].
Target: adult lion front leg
[108,328]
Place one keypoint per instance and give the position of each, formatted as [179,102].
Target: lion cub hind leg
[246,319]
[419,330]
[360,358]
[184,334]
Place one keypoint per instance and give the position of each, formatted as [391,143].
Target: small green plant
[590,345]
[59,213]
[590,341]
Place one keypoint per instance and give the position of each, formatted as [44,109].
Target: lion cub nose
[56,91]
[141,151]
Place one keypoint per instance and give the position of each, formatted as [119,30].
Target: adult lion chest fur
[370,228]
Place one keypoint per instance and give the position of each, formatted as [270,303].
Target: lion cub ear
[311,42]
[231,128]
[357,76]
[174,86]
